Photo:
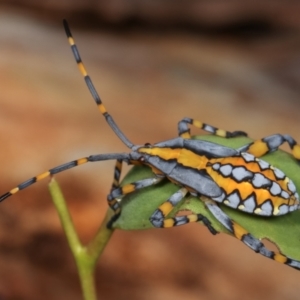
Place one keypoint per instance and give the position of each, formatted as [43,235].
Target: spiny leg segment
[271,143]
[184,130]
[247,238]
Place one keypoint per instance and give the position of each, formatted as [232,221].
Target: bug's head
[141,153]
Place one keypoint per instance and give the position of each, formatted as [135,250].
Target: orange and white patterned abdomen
[253,185]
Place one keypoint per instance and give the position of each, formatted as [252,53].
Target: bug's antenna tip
[67,28]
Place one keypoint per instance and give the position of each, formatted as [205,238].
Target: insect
[237,178]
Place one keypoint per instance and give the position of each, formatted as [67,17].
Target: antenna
[92,89]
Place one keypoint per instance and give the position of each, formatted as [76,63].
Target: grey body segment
[199,147]
[274,141]
[226,170]
[219,215]
[241,174]
[266,209]
[165,166]
[198,180]
[174,143]
[233,200]
[260,181]
[249,204]
[210,150]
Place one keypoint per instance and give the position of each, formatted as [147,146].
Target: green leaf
[284,231]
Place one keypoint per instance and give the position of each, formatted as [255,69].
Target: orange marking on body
[280,258]
[269,173]
[221,132]
[102,108]
[164,153]
[296,151]
[82,69]
[119,165]
[277,201]
[197,124]
[258,148]
[185,135]
[81,161]
[227,184]
[283,185]
[262,195]
[168,223]
[166,207]
[246,188]
[190,159]
[253,167]
[42,176]
[292,200]
[71,41]
[185,157]
[192,218]
[126,189]
[238,230]
[14,190]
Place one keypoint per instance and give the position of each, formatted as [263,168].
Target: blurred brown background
[233,65]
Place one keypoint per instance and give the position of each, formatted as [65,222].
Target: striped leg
[117,174]
[247,238]
[159,217]
[184,130]
[271,143]
[116,194]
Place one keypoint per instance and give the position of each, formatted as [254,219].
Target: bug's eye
[147,145]
[142,159]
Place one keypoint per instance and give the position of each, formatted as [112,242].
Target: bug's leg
[63,167]
[117,174]
[113,198]
[271,143]
[159,217]
[184,130]
[247,238]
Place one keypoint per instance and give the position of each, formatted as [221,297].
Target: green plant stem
[85,256]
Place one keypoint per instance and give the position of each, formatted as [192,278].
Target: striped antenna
[92,89]
[64,167]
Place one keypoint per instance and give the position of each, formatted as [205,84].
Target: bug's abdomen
[252,185]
